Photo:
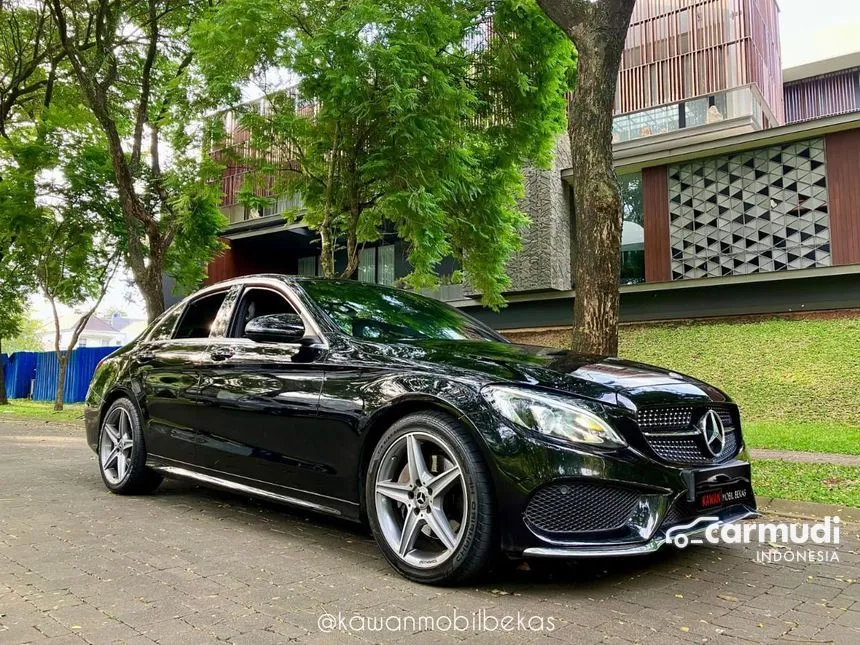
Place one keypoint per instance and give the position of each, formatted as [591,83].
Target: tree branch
[143,103]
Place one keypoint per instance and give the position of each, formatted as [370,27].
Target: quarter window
[164,328]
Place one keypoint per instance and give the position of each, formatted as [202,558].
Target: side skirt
[236,487]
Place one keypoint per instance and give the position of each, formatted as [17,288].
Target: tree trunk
[62,363]
[3,399]
[596,243]
[152,289]
[598,30]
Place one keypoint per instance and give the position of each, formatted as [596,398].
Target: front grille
[580,506]
[673,436]
[677,418]
[688,450]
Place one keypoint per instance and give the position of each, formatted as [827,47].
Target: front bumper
[557,501]
[91,424]
[728,516]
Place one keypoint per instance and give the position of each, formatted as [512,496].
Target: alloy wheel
[116,445]
[421,499]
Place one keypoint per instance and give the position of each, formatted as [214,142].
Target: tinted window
[163,329]
[384,314]
[200,316]
[259,302]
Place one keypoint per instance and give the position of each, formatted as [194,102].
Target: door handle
[145,356]
[221,353]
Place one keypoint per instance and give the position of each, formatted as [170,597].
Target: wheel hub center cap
[422,498]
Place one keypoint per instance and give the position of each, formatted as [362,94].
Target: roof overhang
[264,226]
[820,67]
[698,283]
[697,145]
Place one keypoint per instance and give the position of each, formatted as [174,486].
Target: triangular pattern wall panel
[756,211]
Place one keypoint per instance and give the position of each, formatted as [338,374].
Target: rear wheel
[429,500]
[122,453]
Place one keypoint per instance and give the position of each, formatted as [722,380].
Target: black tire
[136,478]
[478,543]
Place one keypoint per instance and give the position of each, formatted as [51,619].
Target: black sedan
[379,405]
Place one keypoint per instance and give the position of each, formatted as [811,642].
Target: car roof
[289,279]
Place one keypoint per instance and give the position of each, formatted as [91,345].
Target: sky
[810,30]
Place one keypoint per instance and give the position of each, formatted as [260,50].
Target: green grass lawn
[778,370]
[797,381]
[41,410]
[822,483]
[807,437]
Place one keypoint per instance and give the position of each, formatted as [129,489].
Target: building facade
[738,181]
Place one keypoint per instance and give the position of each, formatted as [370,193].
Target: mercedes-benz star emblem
[713,432]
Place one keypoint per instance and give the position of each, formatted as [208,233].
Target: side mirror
[276,328]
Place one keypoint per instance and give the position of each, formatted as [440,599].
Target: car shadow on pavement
[320,529]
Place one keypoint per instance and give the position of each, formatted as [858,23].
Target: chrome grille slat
[670,433]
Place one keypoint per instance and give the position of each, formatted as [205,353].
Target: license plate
[715,488]
[720,497]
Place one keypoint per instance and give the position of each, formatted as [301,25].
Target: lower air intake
[578,507]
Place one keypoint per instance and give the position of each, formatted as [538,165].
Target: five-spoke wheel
[421,507]
[116,445]
[122,453]
[428,500]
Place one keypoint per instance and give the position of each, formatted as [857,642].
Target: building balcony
[740,107]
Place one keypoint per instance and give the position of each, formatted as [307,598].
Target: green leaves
[412,116]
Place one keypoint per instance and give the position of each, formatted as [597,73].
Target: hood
[610,380]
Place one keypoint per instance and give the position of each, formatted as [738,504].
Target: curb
[806,510]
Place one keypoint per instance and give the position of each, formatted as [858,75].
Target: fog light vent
[576,507]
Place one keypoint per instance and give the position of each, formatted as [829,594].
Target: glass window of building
[632,232]
[367,265]
[308,266]
[385,259]
[281,205]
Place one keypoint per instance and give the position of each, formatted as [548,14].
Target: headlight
[553,416]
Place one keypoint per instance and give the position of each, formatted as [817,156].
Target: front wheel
[122,453]
[429,500]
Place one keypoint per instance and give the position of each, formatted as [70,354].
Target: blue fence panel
[45,387]
[82,366]
[79,371]
[20,368]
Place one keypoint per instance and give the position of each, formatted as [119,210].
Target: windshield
[389,315]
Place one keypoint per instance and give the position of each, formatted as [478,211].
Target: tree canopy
[119,73]
[132,65]
[412,115]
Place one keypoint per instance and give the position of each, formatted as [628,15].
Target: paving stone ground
[807,457]
[191,565]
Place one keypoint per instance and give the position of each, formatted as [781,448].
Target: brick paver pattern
[191,565]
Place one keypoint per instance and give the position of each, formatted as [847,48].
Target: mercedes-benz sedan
[379,405]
